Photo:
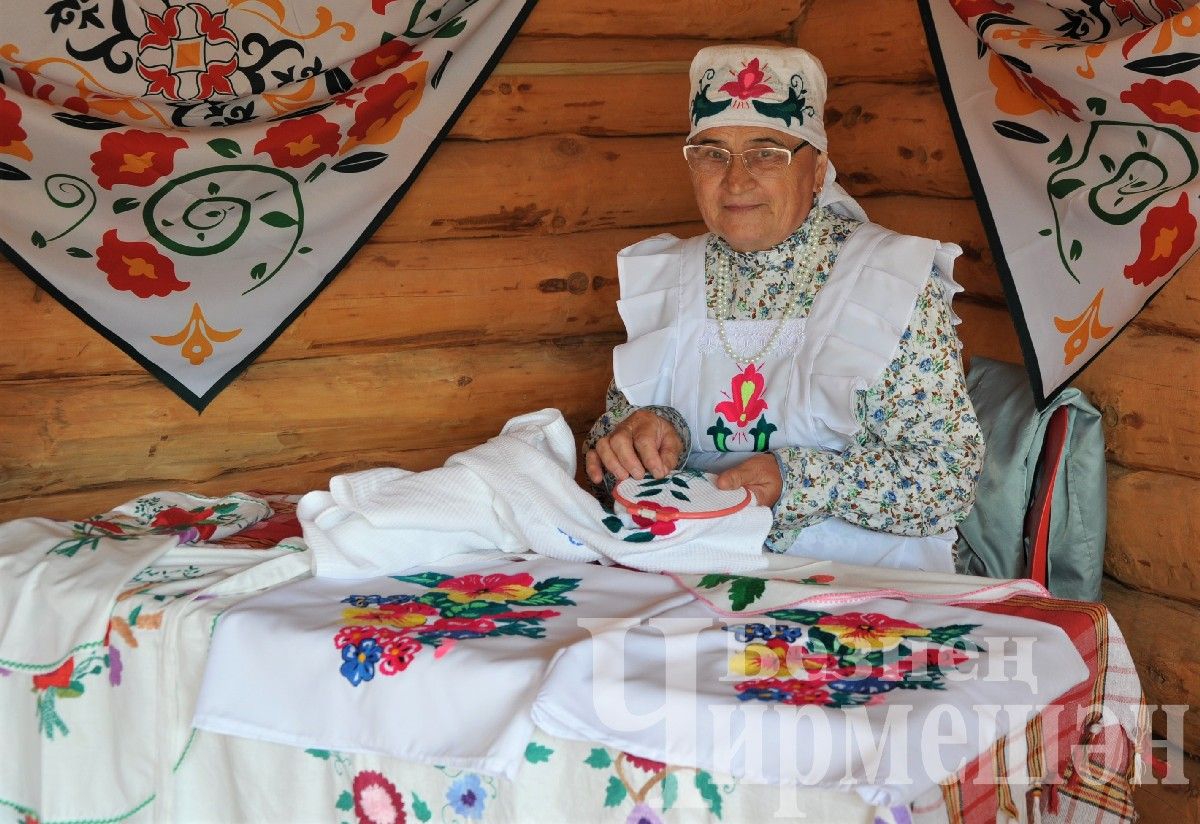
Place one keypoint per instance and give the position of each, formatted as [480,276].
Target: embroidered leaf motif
[323,754]
[424,579]
[38,240]
[1046,232]
[361,162]
[714,580]
[745,591]
[8,172]
[709,792]
[345,801]
[679,495]
[670,791]
[613,523]
[1019,131]
[1164,65]
[537,754]
[1063,153]
[639,537]
[225,147]
[420,808]
[315,173]
[1076,250]
[1062,188]
[1107,163]
[124,204]
[703,106]
[86,121]
[648,493]
[279,220]
[452,29]
[680,482]
[1097,105]
[653,482]
[616,792]
[599,758]
[76,252]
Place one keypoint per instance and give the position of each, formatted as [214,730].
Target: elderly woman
[796,349]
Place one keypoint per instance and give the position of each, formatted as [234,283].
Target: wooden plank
[1164,639]
[545,185]
[888,139]
[712,19]
[1176,308]
[1153,522]
[881,40]
[392,296]
[988,331]
[1177,803]
[1148,387]
[75,433]
[950,219]
[527,48]
[520,100]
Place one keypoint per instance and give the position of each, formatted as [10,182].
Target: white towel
[514,493]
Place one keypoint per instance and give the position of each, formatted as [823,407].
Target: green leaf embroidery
[225,147]
[76,252]
[265,195]
[639,537]
[1063,153]
[613,523]
[746,591]
[714,580]
[1097,105]
[675,493]
[258,271]
[599,758]
[649,493]
[279,220]
[451,29]
[124,204]
[1064,187]
[670,791]
[324,754]
[345,801]
[315,173]
[1107,163]
[420,808]
[38,240]
[424,579]
[1046,232]
[680,482]
[537,754]
[360,162]
[709,792]
[1076,250]
[304,250]
[616,792]
[214,189]
[799,616]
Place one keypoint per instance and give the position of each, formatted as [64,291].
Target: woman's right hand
[640,443]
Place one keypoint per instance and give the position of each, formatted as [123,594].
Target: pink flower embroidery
[747,401]
[871,631]
[498,588]
[749,83]
[656,527]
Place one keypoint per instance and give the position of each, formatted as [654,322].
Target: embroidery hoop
[635,506]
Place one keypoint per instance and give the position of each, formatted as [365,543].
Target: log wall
[490,291]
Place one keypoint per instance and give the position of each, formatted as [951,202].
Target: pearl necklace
[722,285]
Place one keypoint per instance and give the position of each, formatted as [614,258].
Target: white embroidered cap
[779,87]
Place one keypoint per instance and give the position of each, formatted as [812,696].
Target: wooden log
[1164,639]
[1145,384]
[1176,309]
[528,48]
[882,40]
[712,19]
[392,296]
[889,140]
[75,433]
[1153,521]
[545,185]
[1176,803]
[988,331]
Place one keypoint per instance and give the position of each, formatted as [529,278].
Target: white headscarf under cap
[777,87]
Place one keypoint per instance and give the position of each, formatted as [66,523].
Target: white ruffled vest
[801,392]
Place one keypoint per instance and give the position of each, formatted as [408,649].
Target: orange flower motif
[12,136]
[1082,329]
[391,53]
[497,588]
[297,142]
[137,267]
[1167,235]
[59,678]
[747,401]
[749,83]
[1176,103]
[134,157]
[378,118]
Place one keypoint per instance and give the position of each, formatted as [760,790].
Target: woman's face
[756,213]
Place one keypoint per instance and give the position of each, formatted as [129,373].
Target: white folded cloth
[514,493]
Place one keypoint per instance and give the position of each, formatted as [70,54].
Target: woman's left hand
[759,474]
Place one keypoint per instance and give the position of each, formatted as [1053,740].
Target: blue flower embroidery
[359,660]
[467,796]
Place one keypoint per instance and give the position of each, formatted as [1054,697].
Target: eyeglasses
[765,161]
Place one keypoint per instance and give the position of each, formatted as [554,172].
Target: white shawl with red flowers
[186,180]
[1078,124]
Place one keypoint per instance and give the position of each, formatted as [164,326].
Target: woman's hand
[759,474]
[641,442]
